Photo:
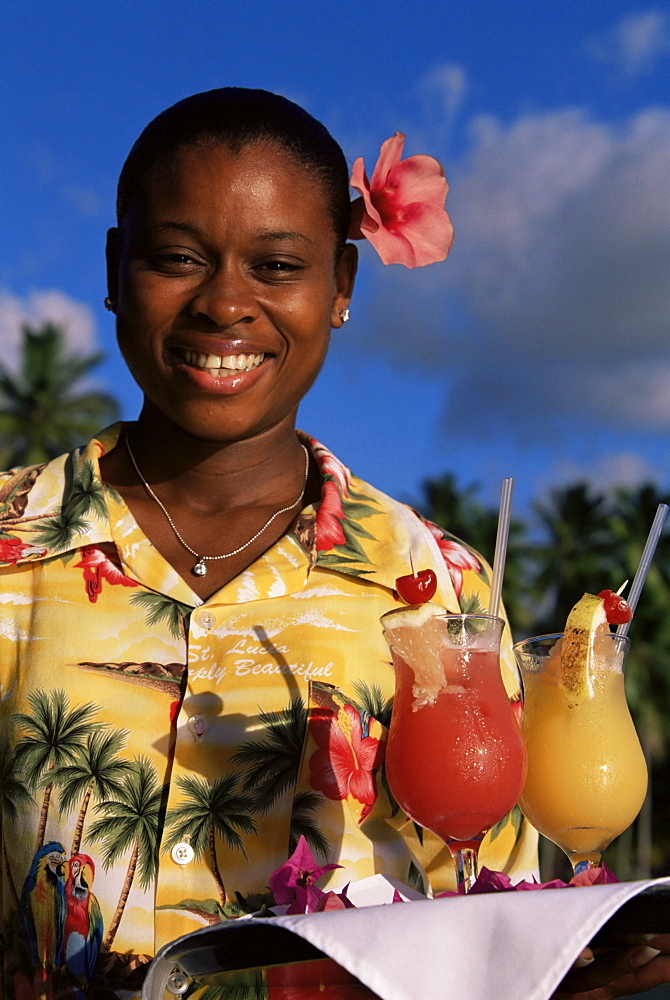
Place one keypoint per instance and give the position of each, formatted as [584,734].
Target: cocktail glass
[455,757]
[587,776]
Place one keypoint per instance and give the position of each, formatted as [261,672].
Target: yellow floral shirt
[161,756]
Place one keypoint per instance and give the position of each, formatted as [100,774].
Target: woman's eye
[174,261]
[278,267]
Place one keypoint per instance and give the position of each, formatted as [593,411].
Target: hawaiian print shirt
[161,755]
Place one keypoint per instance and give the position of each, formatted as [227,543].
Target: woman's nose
[224,299]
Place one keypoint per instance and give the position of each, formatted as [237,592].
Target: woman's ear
[345,274]
[113,255]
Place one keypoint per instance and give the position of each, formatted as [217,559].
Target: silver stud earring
[108,304]
[344,315]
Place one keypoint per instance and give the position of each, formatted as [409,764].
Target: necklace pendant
[200,569]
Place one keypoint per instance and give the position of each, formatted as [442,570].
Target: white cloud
[617,469]
[443,89]
[555,299]
[635,44]
[84,199]
[40,307]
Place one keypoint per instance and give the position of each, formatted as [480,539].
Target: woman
[193,672]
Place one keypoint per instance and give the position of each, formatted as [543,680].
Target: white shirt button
[177,983]
[182,853]
[205,619]
[196,725]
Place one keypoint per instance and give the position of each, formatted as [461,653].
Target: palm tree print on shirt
[130,821]
[209,810]
[97,771]
[163,609]
[272,764]
[49,738]
[13,795]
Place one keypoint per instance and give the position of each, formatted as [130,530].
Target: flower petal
[401,210]
[419,178]
[390,156]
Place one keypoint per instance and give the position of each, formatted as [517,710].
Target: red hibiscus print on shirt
[328,528]
[330,466]
[99,562]
[346,760]
[455,555]
[12,549]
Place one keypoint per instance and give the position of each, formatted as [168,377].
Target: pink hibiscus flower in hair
[401,211]
[98,566]
[455,555]
[346,760]
[328,528]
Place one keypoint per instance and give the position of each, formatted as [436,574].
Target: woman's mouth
[221,365]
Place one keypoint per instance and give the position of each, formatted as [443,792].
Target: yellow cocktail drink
[587,776]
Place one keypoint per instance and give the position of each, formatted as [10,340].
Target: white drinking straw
[501,545]
[645,562]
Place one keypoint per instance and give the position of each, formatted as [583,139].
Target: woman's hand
[641,962]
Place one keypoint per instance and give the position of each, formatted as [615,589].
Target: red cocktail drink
[455,759]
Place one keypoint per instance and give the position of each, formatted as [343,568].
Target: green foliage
[43,412]
[462,515]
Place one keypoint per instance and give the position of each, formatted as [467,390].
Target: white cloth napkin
[507,945]
[511,945]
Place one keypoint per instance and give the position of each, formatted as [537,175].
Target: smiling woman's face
[226,283]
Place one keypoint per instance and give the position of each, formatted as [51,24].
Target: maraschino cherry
[416,588]
[617,610]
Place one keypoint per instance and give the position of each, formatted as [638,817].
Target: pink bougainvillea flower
[490,881]
[328,528]
[334,901]
[12,549]
[300,869]
[346,761]
[401,209]
[98,563]
[293,882]
[594,876]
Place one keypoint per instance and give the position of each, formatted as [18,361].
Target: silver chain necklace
[200,568]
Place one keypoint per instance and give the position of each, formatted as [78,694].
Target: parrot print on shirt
[43,905]
[82,931]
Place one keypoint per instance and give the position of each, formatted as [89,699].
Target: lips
[221,365]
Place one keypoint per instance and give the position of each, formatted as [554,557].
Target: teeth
[222,365]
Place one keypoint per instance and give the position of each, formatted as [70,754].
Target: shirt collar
[358,530]
[48,510]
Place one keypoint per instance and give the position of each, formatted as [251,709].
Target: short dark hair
[237,117]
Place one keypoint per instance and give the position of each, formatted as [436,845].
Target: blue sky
[539,350]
